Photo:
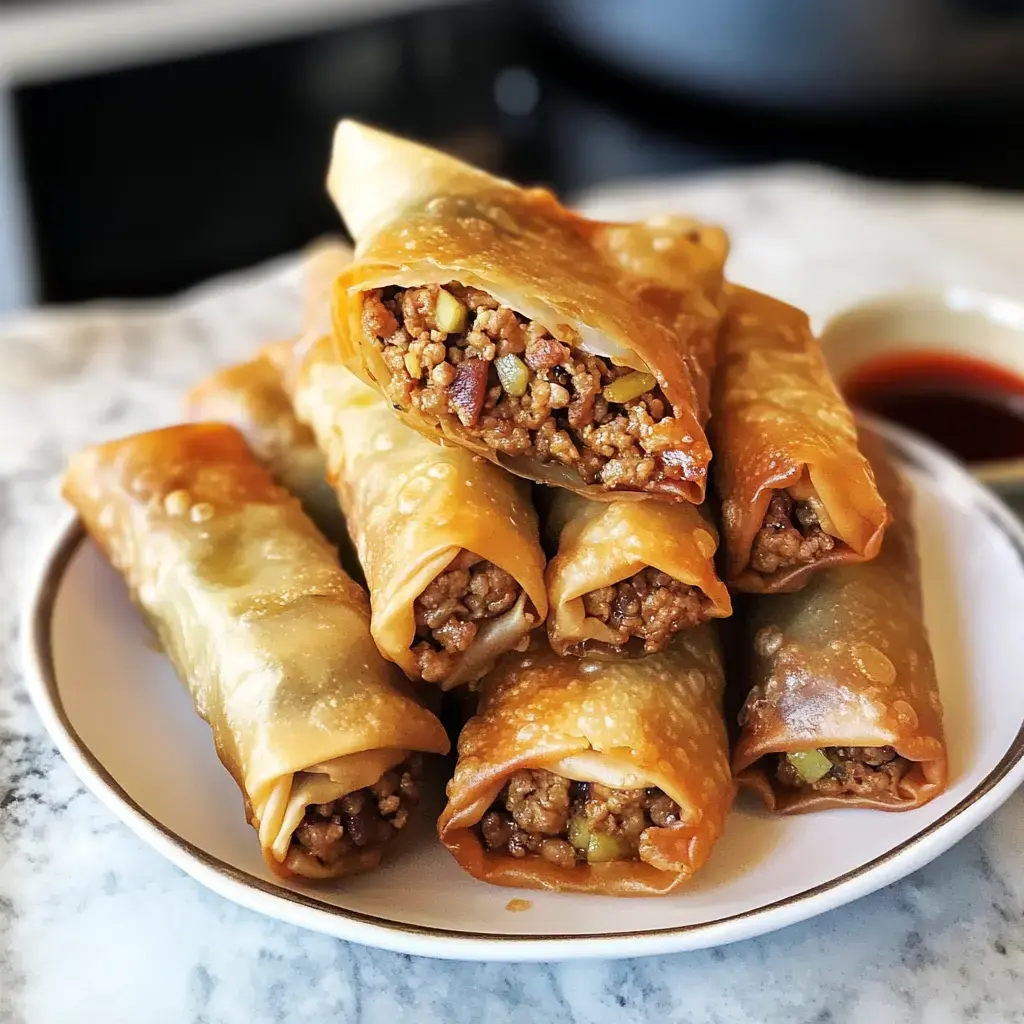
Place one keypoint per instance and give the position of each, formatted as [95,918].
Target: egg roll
[568,351]
[607,777]
[628,575]
[843,708]
[449,543]
[322,735]
[251,397]
[797,493]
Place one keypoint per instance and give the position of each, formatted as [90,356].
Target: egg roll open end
[569,351]
[270,637]
[843,706]
[579,775]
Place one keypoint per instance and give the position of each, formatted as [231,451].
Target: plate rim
[306,911]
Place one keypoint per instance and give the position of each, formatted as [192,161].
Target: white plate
[126,726]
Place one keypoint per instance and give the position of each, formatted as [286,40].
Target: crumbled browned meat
[538,801]
[324,838]
[492,591]
[789,535]
[455,634]
[378,320]
[468,592]
[496,829]
[562,417]
[534,812]
[583,408]
[857,771]
[367,817]
[873,756]
[617,812]
[419,306]
[559,852]
[502,326]
[663,810]
[434,665]
[543,352]
[650,605]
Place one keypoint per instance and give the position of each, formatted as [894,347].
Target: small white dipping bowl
[984,327]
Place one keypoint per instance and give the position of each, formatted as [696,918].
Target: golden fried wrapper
[413,508]
[271,638]
[645,296]
[251,397]
[845,662]
[631,723]
[599,544]
[781,424]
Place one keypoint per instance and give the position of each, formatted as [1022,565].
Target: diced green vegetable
[450,314]
[513,374]
[579,832]
[633,385]
[604,848]
[810,765]
[596,845]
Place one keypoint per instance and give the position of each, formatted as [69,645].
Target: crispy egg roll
[797,493]
[843,708]
[628,575]
[449,543]
[607,777]
[568,351]
[251,397]
[272,639]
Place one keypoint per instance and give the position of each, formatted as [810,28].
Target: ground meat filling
[856,771]
[542,814]
[790,535]
[650,605]
[458,351]
[449,611]
[367,817]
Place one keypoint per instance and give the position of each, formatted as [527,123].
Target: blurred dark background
[173,164]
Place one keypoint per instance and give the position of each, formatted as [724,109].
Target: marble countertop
[95,926]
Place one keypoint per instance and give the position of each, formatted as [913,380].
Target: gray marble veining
[95,926]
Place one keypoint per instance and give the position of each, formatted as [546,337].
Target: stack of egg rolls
[841,705]
[448,544]
[480,338]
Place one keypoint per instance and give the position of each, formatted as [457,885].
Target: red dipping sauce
[972,408]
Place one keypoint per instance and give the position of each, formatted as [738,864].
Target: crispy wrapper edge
[670,732]
[778,415]
[907,716]
[121,490]
[600,544]
[423,232]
